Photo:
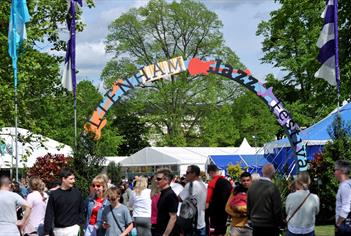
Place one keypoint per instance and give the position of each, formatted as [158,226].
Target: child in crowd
[116,218]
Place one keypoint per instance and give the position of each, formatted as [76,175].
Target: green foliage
[131,127]
[180,110]
[322,168]
[87,162]
[234,171]
[253,120]
[290,37]
[114,172]
[283,184]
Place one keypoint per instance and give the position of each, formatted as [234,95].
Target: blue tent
[253,163]
[315,137]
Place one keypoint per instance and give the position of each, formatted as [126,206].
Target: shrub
[48,167]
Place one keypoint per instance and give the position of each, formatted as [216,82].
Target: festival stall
[149,159]
[30,147]
[250,158]
[315,137]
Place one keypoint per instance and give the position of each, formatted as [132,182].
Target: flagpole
[336,40]
[14,66]
[73,65]
[75,122]
[16,125]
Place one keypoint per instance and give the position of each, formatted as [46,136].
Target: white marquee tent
[183,156]
[30,147]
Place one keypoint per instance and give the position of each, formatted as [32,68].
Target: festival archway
[196,66]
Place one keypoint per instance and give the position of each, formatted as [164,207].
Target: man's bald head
[5,181]
[268,170]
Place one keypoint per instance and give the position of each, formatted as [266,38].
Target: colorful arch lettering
[196,66]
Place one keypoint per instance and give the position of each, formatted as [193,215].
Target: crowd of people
[167,205]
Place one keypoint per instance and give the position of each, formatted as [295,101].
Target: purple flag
[69,73]
[328,44]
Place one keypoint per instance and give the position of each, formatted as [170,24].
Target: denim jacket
[89,206]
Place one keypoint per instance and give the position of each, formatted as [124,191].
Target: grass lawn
[324,230]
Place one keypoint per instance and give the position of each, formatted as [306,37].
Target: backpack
[188,208]
[187,220]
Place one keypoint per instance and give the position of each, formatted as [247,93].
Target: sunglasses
[112,199]
[96,185]
[188,172]
[159,179]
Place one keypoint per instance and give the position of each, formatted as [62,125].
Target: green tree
[253,120]
[290,37]
[174,107]
[132,129]
[41,99]
[87,162]
[322,167]
[114,172]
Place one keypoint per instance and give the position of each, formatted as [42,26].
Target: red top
[211,186]
[94,213]
[154,201]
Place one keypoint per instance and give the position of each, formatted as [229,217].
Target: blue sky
[239,17]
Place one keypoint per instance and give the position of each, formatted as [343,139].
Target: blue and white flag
[69,72]
[328,44]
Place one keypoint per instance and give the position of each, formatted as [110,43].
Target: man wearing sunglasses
[65,208]
[167,205]
[196,190]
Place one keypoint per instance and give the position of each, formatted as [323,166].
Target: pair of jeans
[197,232]
[201,232]
[344,229]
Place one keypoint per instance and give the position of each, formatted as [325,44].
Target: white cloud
[90,59]
[240,19]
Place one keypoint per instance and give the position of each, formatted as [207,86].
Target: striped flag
[69,71]
[17,31]
[328,44]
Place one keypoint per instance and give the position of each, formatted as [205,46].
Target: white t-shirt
[37,214]
[177,188]
[200,194]
[141,204]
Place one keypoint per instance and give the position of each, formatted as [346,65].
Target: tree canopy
[181,110]
[290,38]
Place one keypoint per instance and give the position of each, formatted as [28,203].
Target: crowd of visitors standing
[166,206]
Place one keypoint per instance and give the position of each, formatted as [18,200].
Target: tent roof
[254,163]
[245,148]
[115,159]
[34,146]
[244,160]
[151,156]
[316,134]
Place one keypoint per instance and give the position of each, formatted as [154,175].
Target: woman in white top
[301,220]
[140,202]
[37,199]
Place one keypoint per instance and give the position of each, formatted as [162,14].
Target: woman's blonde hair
[140,185]
[154,188]
[303,179]
[101,179]
[36,184]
